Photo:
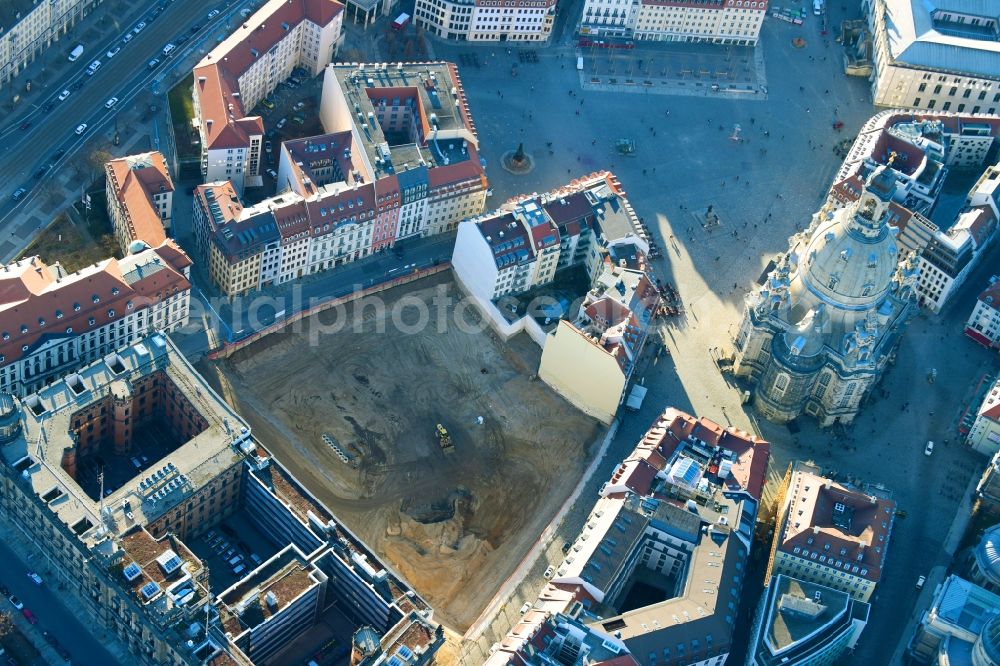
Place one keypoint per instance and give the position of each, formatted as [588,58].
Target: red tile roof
[135,179]
[30,293]
[217,75]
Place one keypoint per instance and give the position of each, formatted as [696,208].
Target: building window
[781,384]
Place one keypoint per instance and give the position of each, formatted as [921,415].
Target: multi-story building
[588,356]
[804,624]
[716,21]
[984,322]
[961,626]
[819,332]
[830,534]
[140,198]
[984,435]
[405,164]
[984,561]
[56,322]
[29,28]
[942,55]
[121,473]
[677,514]
[988,489]
[950,256]
[487,20]
[245,68]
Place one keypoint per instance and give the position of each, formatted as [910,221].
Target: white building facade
[718,22]
[25,37]
[487,20]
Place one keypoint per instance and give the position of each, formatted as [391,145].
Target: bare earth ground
[454,525]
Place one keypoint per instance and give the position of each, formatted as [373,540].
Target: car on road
[15,602]
[267,146]
[94,66]
[181,39]
[138,27]
[18,193]
[49,637]
[127,38]
[42,170]
[213,13]
[35,578]
[929,449]
[4,590]
[113,52]
[59,153]
[245,12]
[920,582]
[282,123]
[29,616]
[63,95]
[168,49]
[26,124]
[63,652]
[195,28]
[267,103]
[152,64]
[272,173]
[111,102]
[81,128]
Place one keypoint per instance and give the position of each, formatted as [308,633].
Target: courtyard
[354,415]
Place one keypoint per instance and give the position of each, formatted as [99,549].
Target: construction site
[437,446]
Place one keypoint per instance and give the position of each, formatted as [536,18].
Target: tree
[6,623]
[98,159]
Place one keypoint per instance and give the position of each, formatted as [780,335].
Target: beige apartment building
[139,194]
[29,28]
[487,20]
[246,67]
[717,22]
[829,534]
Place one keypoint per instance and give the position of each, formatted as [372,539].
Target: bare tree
[97,159]
[6,623]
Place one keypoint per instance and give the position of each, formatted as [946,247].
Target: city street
[85,648]
[51,140]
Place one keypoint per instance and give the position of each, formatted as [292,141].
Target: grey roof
[914,39]
[987,555]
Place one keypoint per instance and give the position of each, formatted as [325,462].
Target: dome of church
[987,555]
[137,246]
[987,648]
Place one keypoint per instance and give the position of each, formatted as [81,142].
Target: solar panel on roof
[150,590]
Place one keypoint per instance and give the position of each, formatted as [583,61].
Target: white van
[75,54]
[579,63]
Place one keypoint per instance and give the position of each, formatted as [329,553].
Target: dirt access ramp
[454,523]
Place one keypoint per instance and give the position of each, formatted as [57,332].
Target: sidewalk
[93,31]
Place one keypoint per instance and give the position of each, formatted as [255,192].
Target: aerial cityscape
[500,333]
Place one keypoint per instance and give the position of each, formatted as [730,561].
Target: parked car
[35,578]
[299,106]
[526,607]
[548,572]
[267,103]
[15,602]
[59,153]
[929,449]
[138,27]
[195,28]
[94,66]
[152,64]
[42,170]
[18,193]
[111,102]
[181,39]
[282,123]
[81,128]
[272,173]
[127,38]
[920,582]
[239,570]
[267,146]
[298,120]
[63,95]
[29,616]
[213,13]
[113,52]
[168,49]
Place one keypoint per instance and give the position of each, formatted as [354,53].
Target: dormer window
[6,336]
[41,321]
[91,321]
[59,314]
[24,329]
[76,307]
[95,298]
[114,291]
